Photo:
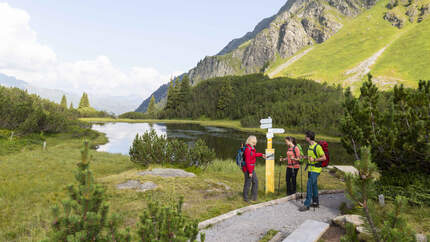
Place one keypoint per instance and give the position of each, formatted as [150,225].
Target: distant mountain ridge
[116,105]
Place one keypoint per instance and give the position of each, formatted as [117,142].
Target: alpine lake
[224,141]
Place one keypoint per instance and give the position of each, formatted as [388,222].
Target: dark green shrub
[133,115]
[250,122]
[201,154]
[416,188]
[396,125]
[150,148]
[167,223]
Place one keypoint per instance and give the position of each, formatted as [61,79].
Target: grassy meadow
[32,181]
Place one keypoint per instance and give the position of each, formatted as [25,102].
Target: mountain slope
[298,24]
[367,43]
[159,95]
[408,58]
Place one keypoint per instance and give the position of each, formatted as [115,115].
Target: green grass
[407,59]
[233,124]
[268,236]
[32,181]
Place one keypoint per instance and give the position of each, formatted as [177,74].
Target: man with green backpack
[318,157]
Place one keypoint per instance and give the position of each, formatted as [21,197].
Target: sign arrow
[265,126]
[266,121]
[276,131]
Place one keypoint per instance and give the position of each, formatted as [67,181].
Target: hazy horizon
[117,48]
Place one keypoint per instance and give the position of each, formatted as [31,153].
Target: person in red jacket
[249,168]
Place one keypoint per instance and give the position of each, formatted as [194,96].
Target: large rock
[421,237]
[167,172]
[133,184]
[356,220]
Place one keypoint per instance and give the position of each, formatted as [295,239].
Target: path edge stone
[222,217]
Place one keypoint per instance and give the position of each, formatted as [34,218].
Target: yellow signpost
[270,154]
[270,167]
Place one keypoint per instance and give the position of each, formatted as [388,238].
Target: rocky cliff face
[298,24]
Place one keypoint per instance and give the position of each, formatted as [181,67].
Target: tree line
[28,113]
[294,104]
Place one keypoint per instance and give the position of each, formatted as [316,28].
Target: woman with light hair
[249,168]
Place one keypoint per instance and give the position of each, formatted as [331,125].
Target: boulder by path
[136,185]
[167,172]
[284,217]
[347,169]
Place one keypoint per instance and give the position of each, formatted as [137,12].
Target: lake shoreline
[233,124]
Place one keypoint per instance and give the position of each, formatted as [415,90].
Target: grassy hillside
[408,58]
[405,58]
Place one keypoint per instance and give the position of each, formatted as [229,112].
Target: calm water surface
[224,141]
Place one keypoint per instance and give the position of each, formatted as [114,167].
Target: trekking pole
[301,182]
[279,178]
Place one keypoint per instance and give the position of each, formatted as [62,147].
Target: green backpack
[301,152]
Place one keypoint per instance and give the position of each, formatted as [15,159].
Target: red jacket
[250,157]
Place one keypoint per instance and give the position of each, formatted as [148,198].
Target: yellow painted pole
[270,167]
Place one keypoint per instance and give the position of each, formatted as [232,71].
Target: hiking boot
[303,208]
[315,205]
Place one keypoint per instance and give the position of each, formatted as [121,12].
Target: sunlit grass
[405,61]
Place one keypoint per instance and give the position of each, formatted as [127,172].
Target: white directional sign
[265,126]
[276,131]
[266,121]
[269,135]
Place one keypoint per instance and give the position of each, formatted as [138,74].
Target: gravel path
[251,226]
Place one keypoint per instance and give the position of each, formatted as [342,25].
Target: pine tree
[71,106]
[184,94]
[84,103]
[225,97]
[354,136]
[361,189]
[395,125]
[85,212]
[64,102]
[170,98]
[173,99]
[167,223]
[151,108]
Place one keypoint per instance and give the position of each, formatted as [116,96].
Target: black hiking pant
[291,178]
[248,181]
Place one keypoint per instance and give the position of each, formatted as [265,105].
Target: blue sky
[165,36]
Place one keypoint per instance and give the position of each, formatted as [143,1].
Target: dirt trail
[363,68]
[288,63]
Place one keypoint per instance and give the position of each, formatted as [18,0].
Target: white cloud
[22,56]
